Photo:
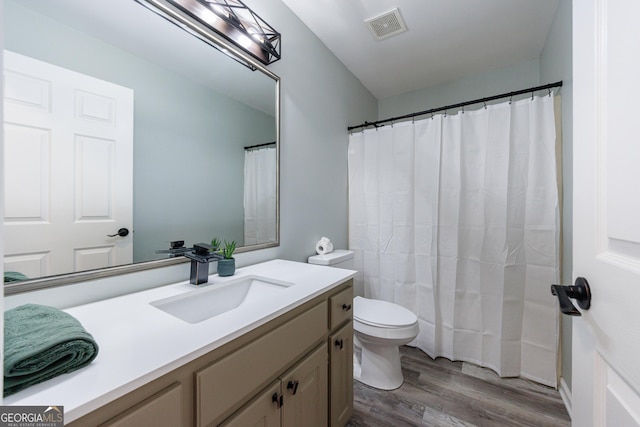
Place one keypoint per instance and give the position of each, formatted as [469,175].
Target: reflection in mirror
[117,119]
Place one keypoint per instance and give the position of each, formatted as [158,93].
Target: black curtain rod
[379,123]
[259,145]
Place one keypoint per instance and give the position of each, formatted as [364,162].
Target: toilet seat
[383,320]
[388,336]
[382,314]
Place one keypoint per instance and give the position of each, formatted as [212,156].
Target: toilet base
[378,366]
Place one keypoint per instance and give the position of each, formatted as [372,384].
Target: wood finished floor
[444,393]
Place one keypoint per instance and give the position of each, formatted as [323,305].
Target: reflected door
[68,169]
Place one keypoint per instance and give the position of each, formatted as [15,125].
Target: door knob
[122,233]
[581,292]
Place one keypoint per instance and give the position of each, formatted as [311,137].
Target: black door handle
[122,233]
[581,292]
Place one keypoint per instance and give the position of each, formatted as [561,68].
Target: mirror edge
[209,37]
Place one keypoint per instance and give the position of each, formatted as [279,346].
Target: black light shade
[238,24]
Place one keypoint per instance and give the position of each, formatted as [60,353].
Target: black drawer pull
[346,307]
[339,343]
[278,400]
[293,386]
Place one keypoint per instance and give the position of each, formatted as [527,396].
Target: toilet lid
[382,313]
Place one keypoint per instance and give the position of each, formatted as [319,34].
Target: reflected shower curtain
[455,218]
[260,195]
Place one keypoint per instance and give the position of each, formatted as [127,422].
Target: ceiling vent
[386,25]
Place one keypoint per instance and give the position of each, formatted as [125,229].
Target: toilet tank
[339,258]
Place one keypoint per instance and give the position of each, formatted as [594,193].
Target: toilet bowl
[380,327]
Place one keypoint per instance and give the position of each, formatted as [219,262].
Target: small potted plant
[227,265]
[215,244]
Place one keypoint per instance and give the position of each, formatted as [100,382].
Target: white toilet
[380,327]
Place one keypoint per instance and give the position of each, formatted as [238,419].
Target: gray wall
[185,135]
[502,80]
[555,64]
[320,98]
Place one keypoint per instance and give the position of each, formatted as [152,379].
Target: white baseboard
[565,394]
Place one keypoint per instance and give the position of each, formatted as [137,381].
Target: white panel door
[606,236]
[68,169]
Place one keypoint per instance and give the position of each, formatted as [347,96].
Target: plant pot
[226,267]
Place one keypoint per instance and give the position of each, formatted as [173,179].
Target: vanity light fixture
[231,20]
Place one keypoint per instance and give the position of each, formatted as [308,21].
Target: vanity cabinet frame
[297,335]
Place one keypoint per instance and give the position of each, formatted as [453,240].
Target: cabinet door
[341,375]
[162,409]
[264,410]
[305,389]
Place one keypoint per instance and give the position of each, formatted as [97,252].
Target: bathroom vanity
[285,356]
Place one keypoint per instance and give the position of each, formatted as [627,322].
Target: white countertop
[139,343]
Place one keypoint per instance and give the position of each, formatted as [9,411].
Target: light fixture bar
[238,24]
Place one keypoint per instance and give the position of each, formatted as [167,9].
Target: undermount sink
[215,299]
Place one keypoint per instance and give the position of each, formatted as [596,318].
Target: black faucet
[176,248]
[200,257]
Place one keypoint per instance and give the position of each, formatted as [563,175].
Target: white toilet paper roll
[324,246]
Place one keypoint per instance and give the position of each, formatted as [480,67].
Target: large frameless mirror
[125,134]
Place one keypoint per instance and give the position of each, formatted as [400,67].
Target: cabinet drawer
[232,380]
[340,306]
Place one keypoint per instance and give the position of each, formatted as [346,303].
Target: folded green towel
[14,276]
[40,343]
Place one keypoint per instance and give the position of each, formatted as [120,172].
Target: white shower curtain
[260,195]
[456,218]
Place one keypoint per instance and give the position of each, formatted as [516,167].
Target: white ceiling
[445,39]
